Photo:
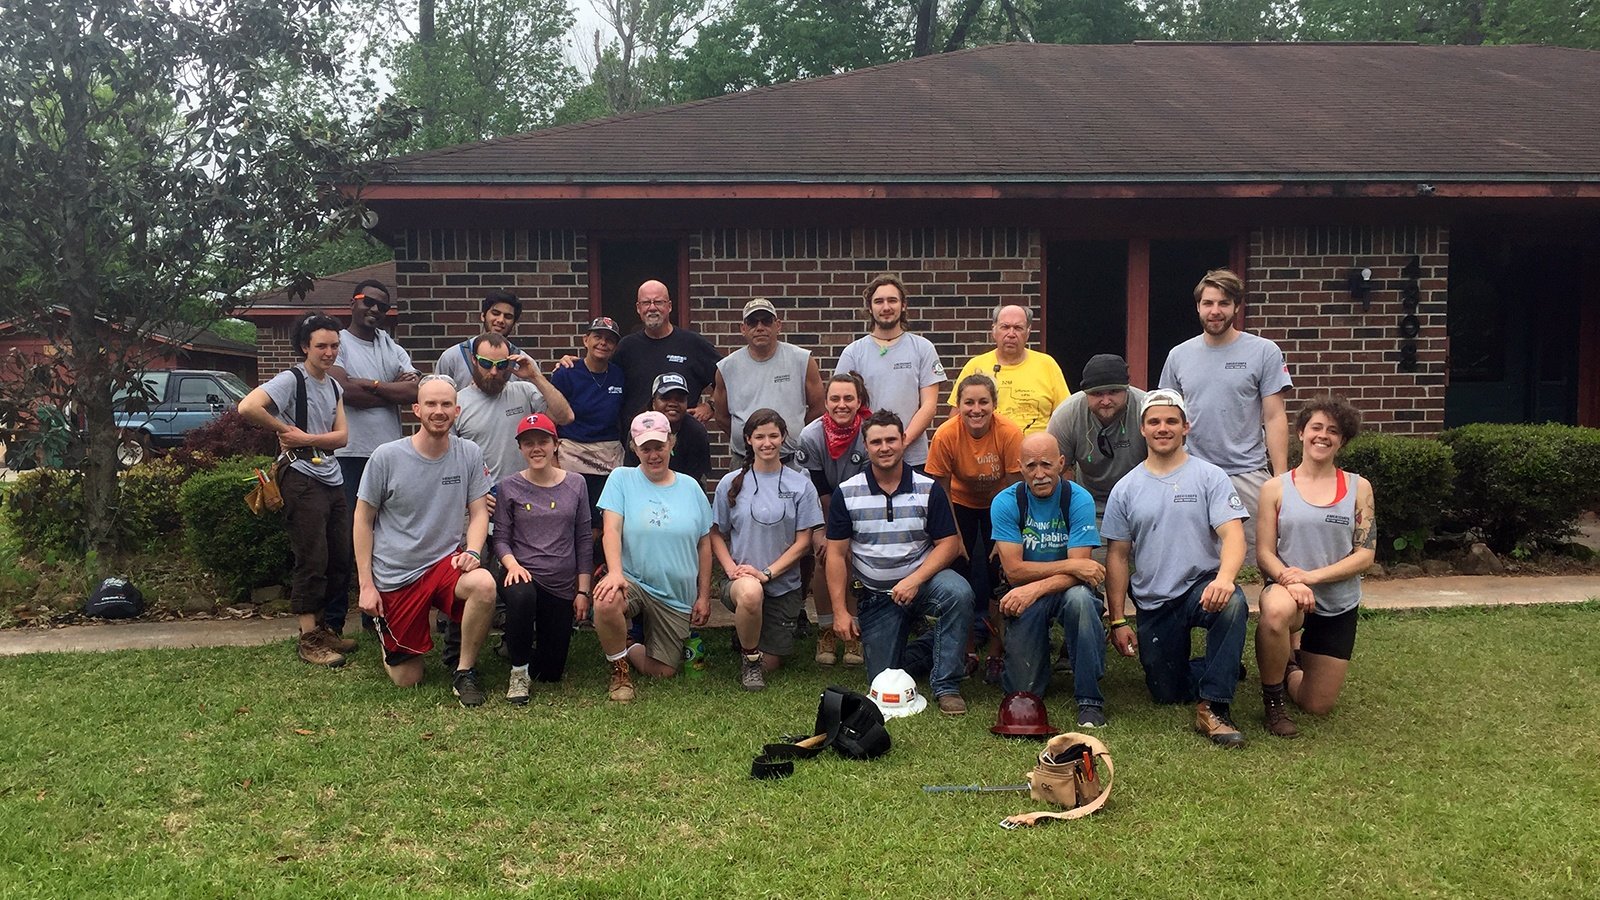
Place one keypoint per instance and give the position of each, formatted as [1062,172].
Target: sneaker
[852,654]
[314,650]
[335,641]
[827,648]
[1212,720]
[751,677]
[467,689]
[520,685]
[621,688]
[994,668]
[953,705]
[1276,704]
[1091,717]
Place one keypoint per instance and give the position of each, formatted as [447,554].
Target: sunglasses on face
[495,364]
[381,306]
[760,319]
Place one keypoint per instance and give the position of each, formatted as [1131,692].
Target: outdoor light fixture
[1360,284]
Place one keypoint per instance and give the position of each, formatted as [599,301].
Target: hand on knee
[747,593]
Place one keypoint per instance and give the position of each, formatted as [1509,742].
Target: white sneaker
[517,691]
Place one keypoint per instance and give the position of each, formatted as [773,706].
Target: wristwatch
[767,574]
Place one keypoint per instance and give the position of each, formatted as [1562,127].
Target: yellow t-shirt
[977,467]
[1027,392]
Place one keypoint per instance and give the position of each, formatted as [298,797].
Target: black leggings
[981,572]
[529,609]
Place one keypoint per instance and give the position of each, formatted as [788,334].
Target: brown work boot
[336,642]
[1276,702]
[1212,720]
[853,656]
[953,705]
[621,688]
[314,650]
[827,648]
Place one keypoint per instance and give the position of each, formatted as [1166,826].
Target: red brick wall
[1297,295]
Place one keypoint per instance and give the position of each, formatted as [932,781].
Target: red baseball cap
[536,422]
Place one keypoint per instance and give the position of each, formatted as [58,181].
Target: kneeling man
[1044,530]
[893,527]
[1177,519]
[408,543]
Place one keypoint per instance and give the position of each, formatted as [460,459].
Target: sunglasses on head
[382,306]
[493,363]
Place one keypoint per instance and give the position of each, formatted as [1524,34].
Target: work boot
[827,648]
[751,677]
[336,642]
[1212,720]
[314,650]
[518,688]
[852,653]
[467,688]
[621,688]
[953,705]
[1276,702]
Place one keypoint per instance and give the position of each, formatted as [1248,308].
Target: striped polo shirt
[889,534]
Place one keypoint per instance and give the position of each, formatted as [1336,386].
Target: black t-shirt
[691,455]
[643,357]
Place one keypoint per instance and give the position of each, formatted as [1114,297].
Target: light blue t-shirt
[1046,537]
[1171,520]
[1223,388]
[661,530]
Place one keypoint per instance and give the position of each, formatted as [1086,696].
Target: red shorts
[405,611]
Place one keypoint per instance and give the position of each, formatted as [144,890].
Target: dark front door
[624,264]
[1513,317]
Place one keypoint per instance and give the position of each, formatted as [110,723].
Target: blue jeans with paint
[1164,633]
[1028,658]
[937,656]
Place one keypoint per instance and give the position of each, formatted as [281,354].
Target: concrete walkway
[1414,593]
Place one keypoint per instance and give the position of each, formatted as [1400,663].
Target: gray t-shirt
[380,359]
[322,400]
[455,363]
[895,377]
[491,422]
[1081,435]
[1223,388]
[764,519]
[1171,520]
[777,383]
[421,506]
[813,455]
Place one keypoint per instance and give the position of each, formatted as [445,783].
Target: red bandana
[841,437]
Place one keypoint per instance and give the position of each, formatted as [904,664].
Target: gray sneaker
[1091,717]
[467,688]
[751,677]
[519,687]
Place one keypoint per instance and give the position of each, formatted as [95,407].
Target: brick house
[1095,184]
[274,314]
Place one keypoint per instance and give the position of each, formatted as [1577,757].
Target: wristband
[474,554]
[580,593]
[1122,622]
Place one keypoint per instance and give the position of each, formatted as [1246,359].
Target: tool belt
[1068,775]
[847,722]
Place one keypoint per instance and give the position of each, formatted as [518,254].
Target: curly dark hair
[1337,408]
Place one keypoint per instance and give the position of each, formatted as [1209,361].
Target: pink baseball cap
[536,422]
[650,426]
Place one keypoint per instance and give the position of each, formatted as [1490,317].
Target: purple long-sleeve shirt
[546,529]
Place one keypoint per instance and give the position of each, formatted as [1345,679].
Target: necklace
[600,382]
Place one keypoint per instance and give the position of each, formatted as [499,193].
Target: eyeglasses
[655,302]
[760,319]
[381,306]
[493,363]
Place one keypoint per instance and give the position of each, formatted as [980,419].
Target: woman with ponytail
[832,450]
[762,522]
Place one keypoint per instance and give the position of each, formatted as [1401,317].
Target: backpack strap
[299,398]
[466,353]
[1065,500]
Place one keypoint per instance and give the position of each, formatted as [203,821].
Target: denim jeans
[1164,647]
[1028,659]
[938,655]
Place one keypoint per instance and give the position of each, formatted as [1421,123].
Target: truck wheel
[133,448]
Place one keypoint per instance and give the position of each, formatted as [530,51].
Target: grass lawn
[1463,762]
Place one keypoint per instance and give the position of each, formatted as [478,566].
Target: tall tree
[143,186]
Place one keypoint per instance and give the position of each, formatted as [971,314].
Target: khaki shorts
[778,615]
[665,629]
[598,458]
[1248,486]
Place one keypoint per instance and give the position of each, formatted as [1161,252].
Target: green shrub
[245,550]
[149,503]
[1524,484]
[44,510]
[1412,479]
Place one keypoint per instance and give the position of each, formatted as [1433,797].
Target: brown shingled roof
[1137,112]
[330,293]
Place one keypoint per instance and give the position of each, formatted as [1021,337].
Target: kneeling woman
[1316,534]
[542,538]
[658,556]
[762,527]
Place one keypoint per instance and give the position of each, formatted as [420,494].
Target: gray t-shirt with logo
[1223,388]
[421,506]
[1081,435]
[777,383]
[380,359]
[763,521]
[491,422]
[813,456]
[895,377]
[1171,520]
[322,399]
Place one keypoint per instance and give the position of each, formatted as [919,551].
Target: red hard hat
[1022,715]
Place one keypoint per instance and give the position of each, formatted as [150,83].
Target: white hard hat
[895,694]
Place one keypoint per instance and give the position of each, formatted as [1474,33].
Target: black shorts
[1333,636]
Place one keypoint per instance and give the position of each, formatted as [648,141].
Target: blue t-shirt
[596,402]
[661,530]
[1046,537]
